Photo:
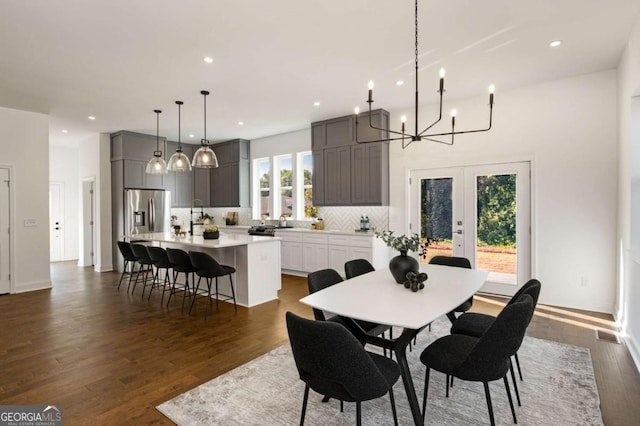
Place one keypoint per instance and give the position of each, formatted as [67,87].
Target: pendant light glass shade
[204,157]
[179,162]
[157,165]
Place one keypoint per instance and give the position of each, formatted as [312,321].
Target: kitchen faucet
[191,213]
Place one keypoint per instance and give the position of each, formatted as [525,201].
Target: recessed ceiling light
[91,117]
[192,135]
[65,131]
[316,103]
[240,123]
[555,43]
[399,83]
[208,59]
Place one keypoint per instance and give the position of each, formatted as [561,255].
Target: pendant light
[157,165]
[179,162]
[204,157]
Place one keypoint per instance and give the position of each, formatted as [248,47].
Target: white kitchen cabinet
[314,257]
[314,252]
[291,251]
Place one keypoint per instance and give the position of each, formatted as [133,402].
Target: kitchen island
[255,258]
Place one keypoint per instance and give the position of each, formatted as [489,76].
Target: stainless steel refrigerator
[146,210]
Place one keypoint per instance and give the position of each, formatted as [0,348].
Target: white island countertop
[227,239]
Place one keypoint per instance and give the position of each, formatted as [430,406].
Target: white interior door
[482,213]
[56,216]
[5,255]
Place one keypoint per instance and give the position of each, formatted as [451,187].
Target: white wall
[24,143]
[63,167]
[567,128]
[94,156]
[628,249]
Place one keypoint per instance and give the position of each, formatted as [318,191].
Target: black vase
[400,265]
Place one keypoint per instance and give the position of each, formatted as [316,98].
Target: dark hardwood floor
[109,358]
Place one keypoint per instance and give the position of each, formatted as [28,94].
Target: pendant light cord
[205,141]
[157,153]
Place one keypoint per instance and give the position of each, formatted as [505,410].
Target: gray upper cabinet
[180,183]
[347,173]
[229,182]
[134,150]
[201,186]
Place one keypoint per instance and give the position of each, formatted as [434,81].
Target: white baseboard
[634,350]
[103,268]
[32,286]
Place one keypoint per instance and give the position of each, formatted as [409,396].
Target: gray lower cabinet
[347,173]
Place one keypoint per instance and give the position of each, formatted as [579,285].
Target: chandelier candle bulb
[453,117]
[492,89]
[403,119]
[442,72]
[357,110]
[370,91]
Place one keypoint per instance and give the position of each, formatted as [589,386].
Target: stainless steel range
[264,230]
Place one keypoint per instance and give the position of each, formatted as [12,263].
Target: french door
[482,213]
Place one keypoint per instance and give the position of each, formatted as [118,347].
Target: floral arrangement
[402,243]
[204,219]
[210,228]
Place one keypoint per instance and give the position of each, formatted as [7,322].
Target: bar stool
[129,258]
[181,264]
[208,268]
[160,260]
[145,262]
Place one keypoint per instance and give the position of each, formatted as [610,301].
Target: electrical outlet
[30,223]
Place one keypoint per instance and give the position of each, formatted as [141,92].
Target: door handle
[459,232]
[56,228]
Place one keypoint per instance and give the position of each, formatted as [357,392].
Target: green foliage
[436,215]
[265,180]
[400,243]
[497,210]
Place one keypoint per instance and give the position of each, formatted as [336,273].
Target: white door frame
[87,229]
[61,222]
[11,215]
[464,243]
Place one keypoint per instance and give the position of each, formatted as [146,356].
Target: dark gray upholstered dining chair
[475,324]
[331,361]
[356,267]
[483,359]
[324,278]
[458,262]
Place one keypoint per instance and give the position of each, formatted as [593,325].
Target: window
[284,169]
[306,159]
[292,187]
[262,171]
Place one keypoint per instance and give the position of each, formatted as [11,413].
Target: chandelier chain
[416,36]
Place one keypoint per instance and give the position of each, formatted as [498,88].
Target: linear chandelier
[408,138]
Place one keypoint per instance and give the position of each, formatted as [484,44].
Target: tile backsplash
[335,218]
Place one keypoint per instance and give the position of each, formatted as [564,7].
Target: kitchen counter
[240,228]
[227,239]
[255,258]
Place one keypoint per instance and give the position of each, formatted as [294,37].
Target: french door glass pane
[496,227]
[436,216]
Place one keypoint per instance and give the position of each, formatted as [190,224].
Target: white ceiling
[119,60]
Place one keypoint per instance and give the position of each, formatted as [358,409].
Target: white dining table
[377,298]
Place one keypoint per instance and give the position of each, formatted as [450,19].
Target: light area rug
[558,389]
